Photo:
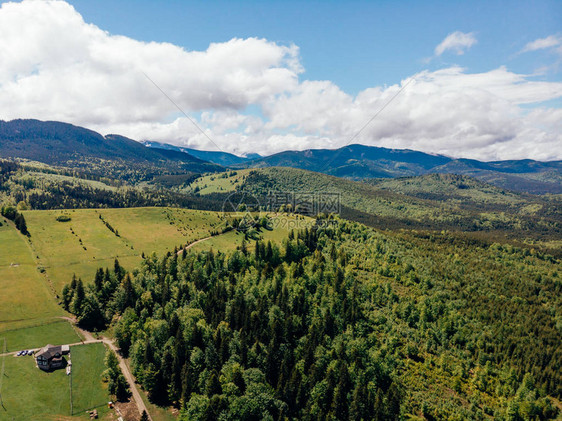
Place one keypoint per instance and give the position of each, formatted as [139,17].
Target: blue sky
[355,44]
[478,79]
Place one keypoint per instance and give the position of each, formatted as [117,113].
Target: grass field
[88,391]
[25,296]
[57,250]
[64,178]
[31,394]
[85,243]
[54,333]
[219,183]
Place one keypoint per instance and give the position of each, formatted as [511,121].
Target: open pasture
[93,238]
[26,298]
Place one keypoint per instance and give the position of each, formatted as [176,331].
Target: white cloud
[247,96]
[54,65]
[543,43]
[457,41]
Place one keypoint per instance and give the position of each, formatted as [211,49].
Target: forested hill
[341,322]
[59,143]
[435,201]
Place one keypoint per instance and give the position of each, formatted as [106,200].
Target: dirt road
[192,244]
[122,365]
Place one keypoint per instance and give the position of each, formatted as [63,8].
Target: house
[51,357]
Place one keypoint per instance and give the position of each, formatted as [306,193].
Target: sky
[472,79]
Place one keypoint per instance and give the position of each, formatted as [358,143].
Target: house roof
[49,351]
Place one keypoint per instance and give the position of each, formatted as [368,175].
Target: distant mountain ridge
[217,157]
[363,162]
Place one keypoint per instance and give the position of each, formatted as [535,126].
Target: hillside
[334,320]
[425,202]
[94,237]
[59,143]
[355,161]
[342,322]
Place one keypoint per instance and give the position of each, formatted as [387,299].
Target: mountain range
[62,143]
[365,162]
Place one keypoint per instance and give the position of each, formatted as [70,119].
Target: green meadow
[86,242]
[26,298]
[219,183]
[33,270]
[31,394]
[57,332]
[88,391]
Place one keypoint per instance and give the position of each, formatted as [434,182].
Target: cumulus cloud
[447,111]
[246,94]
[457,41]
[51,59]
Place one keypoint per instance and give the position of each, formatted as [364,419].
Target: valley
[222,298]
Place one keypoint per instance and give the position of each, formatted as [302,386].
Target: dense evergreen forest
[340,322]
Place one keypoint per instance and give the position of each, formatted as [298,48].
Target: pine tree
[67,294]
[79,296]
[98,280]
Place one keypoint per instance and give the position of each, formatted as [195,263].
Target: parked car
[19,354]
[30,352]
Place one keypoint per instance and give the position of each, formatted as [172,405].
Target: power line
[183,112]
[367,123]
